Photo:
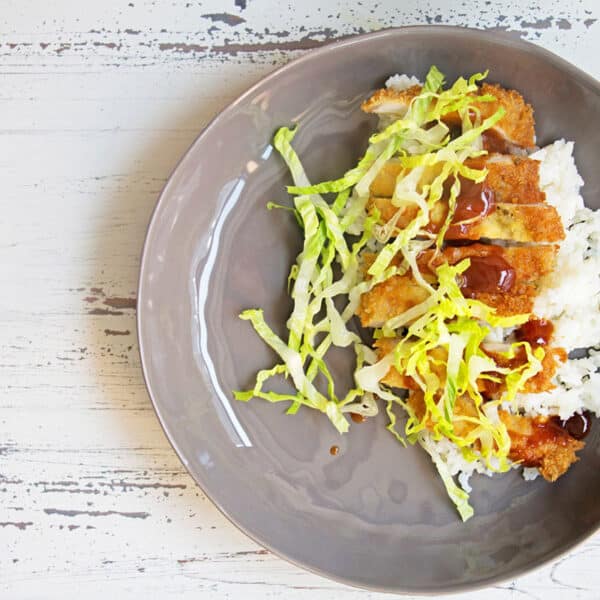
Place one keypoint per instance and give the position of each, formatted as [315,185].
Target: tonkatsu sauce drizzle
[577,426]
[494,142]
[475,201]
[487,274]
[538,332]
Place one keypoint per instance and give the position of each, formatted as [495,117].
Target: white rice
[399,83]
[559,179]
[571,294]
[450,454]
[530,473]
[577,389]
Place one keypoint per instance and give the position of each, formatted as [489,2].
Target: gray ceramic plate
[376,515]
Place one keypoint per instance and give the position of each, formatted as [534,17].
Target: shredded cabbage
[439,343]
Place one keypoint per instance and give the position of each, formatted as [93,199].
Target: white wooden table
[98,100]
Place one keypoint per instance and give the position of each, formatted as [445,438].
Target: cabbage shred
[328,278]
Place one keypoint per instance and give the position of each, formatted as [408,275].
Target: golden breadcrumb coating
[399,293]
[517,126]
[507,222]
[514,179]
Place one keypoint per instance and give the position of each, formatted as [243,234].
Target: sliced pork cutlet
[508,205]
[534,441]
[505,278]
[541,382]
[513,133]
[477,217]
[540,442]
[513,179]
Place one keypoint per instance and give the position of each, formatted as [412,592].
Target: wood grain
[99,100]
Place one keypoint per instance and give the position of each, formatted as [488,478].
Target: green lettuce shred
[459,497]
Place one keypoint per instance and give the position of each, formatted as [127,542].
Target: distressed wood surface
[97,103]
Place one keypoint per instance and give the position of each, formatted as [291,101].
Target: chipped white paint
[97,103]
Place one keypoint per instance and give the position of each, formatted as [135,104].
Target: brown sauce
[479,162]
[334,450]
[544,431]
[494,142]
[357,418]
[487,274]
[552,431]
[475,201]
[538,332]
[577,426]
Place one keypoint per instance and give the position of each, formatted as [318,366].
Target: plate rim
[505,38]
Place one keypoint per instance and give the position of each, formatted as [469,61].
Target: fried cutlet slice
[538,223]
[388,101]
[388,299]
[530,262]
[394,378]
[528,265]
[534,441]
[541,382]
[513,179]
[463,407]
[515,128]
[539,442]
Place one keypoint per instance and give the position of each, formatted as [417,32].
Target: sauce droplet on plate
[334,450]
[357,418]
